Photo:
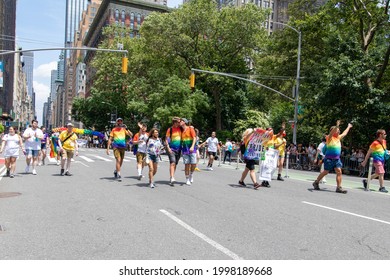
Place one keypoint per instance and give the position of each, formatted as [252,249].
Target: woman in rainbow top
[332,156]
[377,150]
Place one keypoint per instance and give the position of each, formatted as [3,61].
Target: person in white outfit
[212,149]
[32,136]
[10,145]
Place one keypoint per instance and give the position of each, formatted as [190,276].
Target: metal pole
[297,89]
[238,158]
[287,160]
[369,174]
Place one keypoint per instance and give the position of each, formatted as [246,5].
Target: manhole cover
[9,194]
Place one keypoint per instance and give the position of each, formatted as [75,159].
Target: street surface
[91,216]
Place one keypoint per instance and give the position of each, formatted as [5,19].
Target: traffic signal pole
[5,52]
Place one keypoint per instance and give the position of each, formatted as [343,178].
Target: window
[123,17]
[116,16]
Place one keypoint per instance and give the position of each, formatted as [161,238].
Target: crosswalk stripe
[125,160]
[86,159]
[52,160]
[102,158]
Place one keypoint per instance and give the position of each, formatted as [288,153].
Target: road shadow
[320,190]
[238,186]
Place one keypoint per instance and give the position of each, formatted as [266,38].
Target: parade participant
[188,137]
[212,149]
[68,147]
[154,146]
[44,141]
[319,159]
[267,144]
[249,162]
[173,147]
[332,156]
[140,139]
[378,151]
[228,150]
[197,149]
[54,147]
[280,145]
[10,145]
[118,141]
[32,137]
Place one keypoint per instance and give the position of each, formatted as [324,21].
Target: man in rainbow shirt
[332,156]
[188,140]
[173,147]
[118,141]
[377,150]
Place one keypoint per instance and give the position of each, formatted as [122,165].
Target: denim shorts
[330,164]
[174,157]
[34,153]
[189,159]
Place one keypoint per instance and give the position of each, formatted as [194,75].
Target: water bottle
[263,155]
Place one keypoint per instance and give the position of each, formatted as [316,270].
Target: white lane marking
[346,212]
[2,172]
[82,163]
[102,158]
[202,236]
[87,159]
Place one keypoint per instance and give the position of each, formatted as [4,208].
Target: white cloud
[42,92]
[44,70]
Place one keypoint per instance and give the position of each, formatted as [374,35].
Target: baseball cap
[119,119]
[184,120]
[70,124]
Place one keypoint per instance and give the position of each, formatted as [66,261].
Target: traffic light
[192,80]
[125,61]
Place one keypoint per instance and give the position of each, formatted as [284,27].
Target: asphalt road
[91,216]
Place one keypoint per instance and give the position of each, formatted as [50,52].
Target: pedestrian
[280,145]
[118,141]
[154,146]
[332,156]
[173,147]
[68,148]
[378,151]
[140,139]
[249,162]
[44,141]
[197,149]
[188,140]
[268,143]
[319,158]
[228,150]
[10,145]
[32,136]
[212,149]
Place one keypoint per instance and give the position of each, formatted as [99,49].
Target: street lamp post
[297,80]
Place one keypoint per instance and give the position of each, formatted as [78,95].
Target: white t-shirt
[11,148]
[229,146]
[320,148]
[212,144]
[34,142]
[142,145]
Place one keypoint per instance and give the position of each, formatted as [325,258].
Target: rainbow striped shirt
[333,147]
[378,152]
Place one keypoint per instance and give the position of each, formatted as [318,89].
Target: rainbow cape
[53,146]
[81,131]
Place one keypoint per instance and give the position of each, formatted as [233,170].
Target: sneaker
[316,186]
[365,184]
[241,183]
[152,185]
[340,190]
[8,173]
[323,181]
[62,172]
[27,169]
[188,183]
[34,172]
[115,174]
[11,175]
[197,169]
[67,173]
[191,179]
[172,181]
[40,164]
[266,184]
[280,178]
[383,189]
[256,185]
[58,162]
[119,178]
[139,177]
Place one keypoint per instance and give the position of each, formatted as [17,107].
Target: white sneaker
[27,169]
[188,182]
[40,164]
[172,181]
[58,162]
[210,169]
[34,172]
[152,185]
[191,179]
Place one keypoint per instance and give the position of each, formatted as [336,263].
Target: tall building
[7,42]
[126,13]
[28,59]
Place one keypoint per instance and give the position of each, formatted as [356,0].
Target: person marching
[188,137]
[378,151]
[10,145]
[249,163]
[32,144]
[44,141]
[280,145]
[197,150]
[140,139]
[228,151]
[118,140]
[68,146]
[319,159]
[173,147]
[212,149]
[153,149]
[332,156]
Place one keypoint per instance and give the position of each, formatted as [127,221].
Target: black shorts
[43,146]
[250,164]
[174,157]
[212,154]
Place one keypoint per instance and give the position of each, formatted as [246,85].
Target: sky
[41,24]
